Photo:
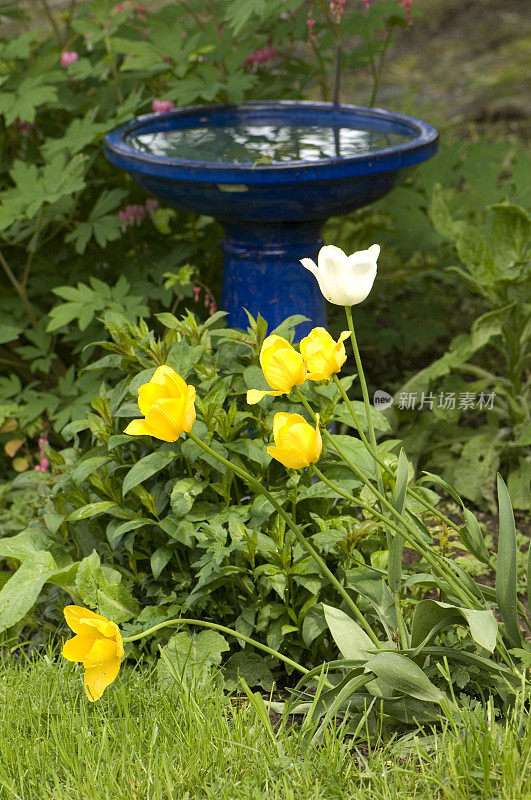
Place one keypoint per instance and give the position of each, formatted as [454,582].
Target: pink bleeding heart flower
[261,55]
[69,57]
[162,106]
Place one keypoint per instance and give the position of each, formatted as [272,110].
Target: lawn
[141,742]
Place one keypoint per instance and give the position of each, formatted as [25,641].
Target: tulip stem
[418,497]
[251,480]
[365,394]
[411,536]
[222,629]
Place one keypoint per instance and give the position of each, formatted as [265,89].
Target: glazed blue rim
[423,146]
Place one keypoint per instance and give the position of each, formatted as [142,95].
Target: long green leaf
[506,569]
[472,537]
[394,568]
[529,576]
[352,640]
[145,468]
[404,676]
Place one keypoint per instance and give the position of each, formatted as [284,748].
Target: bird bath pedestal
[271,173]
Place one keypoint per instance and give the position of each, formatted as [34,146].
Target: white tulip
[344,280]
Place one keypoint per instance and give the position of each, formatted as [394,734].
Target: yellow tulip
[98,644]
[297,444]
[167,404]
[322,355]
[282,366]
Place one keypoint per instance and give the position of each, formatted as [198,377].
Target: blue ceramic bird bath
[271,173]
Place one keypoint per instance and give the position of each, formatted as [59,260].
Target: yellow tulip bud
[282,366]
[98,644]
[297,444]
[167,404]
[322,355]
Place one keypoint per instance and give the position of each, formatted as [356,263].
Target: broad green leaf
[91,510]
[506,566]
[371,584]
[483,627]
[403,675]
[21,591]
[189,659]
[429,614]
[352,640]
[100,587]
[147,467]
[9,332]
[183,495]
[87,466]
[510,233]
[24,545]
[356,452]
[116,530]
[249,666]
[159,559]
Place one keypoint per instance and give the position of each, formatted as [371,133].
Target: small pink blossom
[197,292]
[43,466]
[337,7]
[261,55]
[310,22]
[69,57]
[212,309]
[132,215]
[161,106]
[406,5]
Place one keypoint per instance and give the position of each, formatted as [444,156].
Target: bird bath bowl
[271,173]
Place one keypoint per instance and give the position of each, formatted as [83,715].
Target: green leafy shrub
[483,378]
[172,530]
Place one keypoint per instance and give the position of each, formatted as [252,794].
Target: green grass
[138,742]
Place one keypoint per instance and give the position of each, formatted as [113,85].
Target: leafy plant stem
[365,394]
[222,629]
[217,26]
[18,289]
[409,535]
[51,20]
[114,70]
[377,71]
[300,538]
[428,506]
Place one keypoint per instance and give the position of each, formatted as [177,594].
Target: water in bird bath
[248,144]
